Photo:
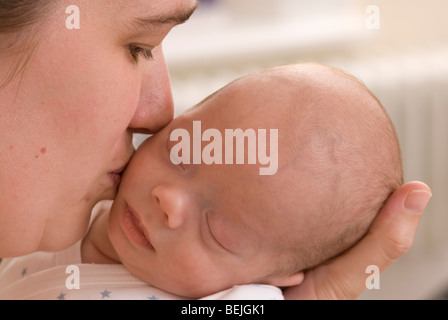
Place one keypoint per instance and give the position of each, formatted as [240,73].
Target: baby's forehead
[301,102]
[251,98]
[280,91]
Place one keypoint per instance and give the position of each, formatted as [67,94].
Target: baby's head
[205,224]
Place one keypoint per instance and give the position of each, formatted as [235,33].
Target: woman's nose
[155,108]
[174,204]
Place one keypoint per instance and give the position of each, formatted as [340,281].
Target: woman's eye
[137,51]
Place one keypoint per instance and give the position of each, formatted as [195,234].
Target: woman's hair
[19,23]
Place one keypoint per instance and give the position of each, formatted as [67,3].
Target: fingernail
[416,201]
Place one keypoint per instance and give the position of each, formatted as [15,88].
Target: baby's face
[195,229]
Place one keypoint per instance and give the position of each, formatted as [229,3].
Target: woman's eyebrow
[178,17]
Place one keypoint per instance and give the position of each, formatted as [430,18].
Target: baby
[194,228]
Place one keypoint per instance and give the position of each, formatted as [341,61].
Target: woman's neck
[96,246]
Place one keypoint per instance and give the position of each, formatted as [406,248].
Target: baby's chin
[194,292]
[191,290]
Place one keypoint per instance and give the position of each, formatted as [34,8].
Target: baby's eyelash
[137,51]
[212,234]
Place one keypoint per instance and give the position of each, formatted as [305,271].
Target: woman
[70,100]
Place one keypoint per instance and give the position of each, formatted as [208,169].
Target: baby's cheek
[195,277]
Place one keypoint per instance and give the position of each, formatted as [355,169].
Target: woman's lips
[134,230]
[116,175]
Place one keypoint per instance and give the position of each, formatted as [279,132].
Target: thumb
[390,236]
[395,226]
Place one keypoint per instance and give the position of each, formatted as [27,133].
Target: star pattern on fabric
[61,296]
[105,294]
[24,271]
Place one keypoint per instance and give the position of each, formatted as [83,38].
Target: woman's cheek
[119,99]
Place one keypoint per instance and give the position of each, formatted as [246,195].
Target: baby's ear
[287,281]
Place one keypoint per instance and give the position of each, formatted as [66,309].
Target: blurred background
[398,48]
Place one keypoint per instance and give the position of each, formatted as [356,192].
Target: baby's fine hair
[350,150]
